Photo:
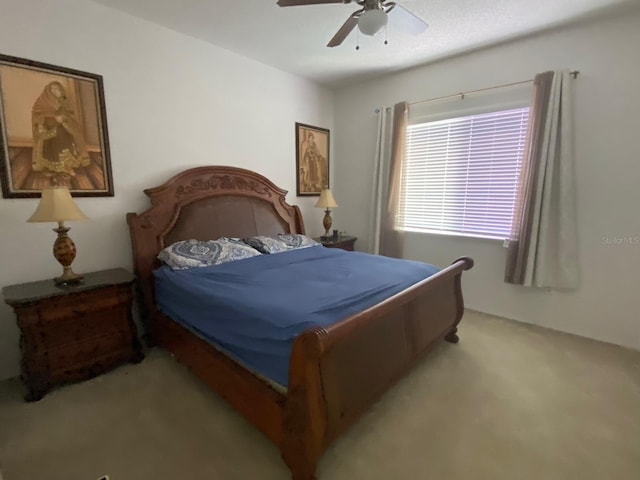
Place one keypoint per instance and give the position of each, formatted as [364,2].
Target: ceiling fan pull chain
[386,29]
[357,39]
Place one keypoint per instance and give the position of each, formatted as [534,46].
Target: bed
[336,372]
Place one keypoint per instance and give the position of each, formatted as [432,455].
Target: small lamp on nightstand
[326,201]
[56,205]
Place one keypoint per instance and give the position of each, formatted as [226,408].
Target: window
[461,175]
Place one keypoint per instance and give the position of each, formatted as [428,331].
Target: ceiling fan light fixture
[371,22]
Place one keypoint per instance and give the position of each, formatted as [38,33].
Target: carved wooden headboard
[206,203]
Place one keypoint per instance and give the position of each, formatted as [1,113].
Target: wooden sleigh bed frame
[335,373]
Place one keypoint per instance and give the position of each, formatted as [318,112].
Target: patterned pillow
[297,240]
[267,244]
[198,253]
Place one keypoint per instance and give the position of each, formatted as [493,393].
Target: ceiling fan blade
[345,30]
[406,20]
[295,3]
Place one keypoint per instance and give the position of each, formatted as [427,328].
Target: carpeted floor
[510,401]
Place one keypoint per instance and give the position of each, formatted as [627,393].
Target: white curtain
[543,245]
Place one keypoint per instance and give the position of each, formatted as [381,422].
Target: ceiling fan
[370,19]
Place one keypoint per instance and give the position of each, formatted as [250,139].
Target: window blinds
[461,175]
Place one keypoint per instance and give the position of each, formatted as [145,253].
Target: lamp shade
[56,205]
[372,22]
[326,200]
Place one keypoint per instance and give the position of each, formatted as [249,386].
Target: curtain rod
[574,74]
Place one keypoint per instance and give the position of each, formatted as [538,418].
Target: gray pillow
[267,244]
[296,240]
[199,253]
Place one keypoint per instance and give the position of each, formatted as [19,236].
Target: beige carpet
[510,401]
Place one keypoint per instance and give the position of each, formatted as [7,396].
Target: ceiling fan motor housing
[372,21]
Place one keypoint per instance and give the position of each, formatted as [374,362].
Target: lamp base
[326,222]
[68,277]
[65,251]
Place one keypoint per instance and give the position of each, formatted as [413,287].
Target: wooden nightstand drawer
[84,353]
[82,304]
[81,326]
[74,333]
[345,242]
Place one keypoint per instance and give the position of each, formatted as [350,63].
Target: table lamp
[326,201]
[56,205]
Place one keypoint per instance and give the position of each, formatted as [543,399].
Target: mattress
[255,308]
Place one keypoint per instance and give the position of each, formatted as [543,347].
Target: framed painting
[53,130]
[312,159]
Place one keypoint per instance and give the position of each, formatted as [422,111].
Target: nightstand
[345,242]
[75,332]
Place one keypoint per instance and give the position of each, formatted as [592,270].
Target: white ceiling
[294,38]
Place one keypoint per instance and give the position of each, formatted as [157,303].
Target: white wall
[607,102]
[173,102]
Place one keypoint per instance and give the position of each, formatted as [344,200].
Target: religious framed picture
[53,130]
[312,159]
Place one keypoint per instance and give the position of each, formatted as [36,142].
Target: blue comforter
[254,308]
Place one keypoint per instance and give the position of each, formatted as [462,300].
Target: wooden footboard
[337,373]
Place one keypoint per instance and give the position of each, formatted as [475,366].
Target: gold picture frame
[53,130]
[312,159]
